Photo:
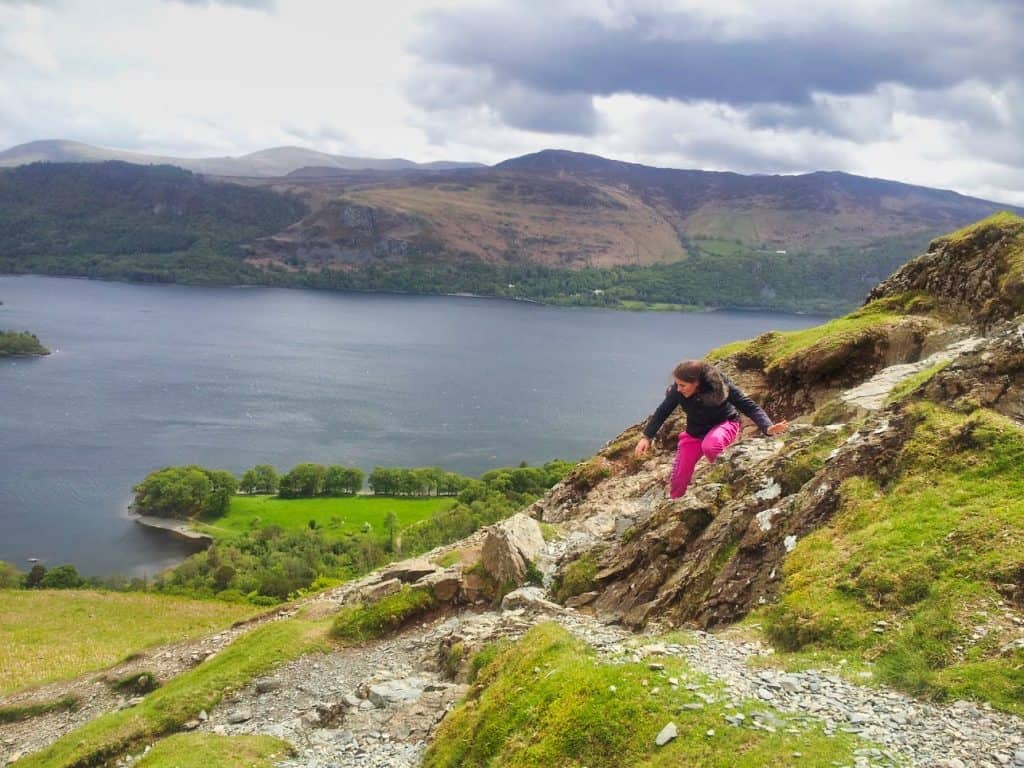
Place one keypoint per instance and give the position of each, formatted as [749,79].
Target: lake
[146,376]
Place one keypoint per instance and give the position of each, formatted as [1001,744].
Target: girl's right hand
[642,446]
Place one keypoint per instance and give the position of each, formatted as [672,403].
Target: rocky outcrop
[714,555]
[510,547]
[975,275]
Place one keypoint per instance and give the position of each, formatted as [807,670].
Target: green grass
[722,247]
[358,623]
[206,750]
[51,635]
[181,699]
[14,714]
[548,701]
[775,347]
[928,555]
[911,383]
[334,516]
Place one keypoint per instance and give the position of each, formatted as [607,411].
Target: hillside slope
[869,528]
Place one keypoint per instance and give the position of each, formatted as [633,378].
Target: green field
[56,634]
[334,516]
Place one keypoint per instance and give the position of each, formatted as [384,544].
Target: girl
[710,401]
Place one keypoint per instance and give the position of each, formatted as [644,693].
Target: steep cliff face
[946,330]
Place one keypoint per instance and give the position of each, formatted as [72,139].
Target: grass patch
[359,623]
[49,635]
[772,349]
[181,699]
[911,383]
[137,684]
[202,750]
[16,714]
[576,578]
[928,556]
[335,516]
[547,700]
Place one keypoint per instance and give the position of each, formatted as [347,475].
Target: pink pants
[692,448]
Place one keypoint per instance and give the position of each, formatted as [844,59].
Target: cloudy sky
[923,91]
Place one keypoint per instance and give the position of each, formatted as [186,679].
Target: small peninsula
[20,344]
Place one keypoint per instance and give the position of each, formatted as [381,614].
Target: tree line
[196,492]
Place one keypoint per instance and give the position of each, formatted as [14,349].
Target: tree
[342,481]
[222,487]
[61,577]
[266,478]
[35,576]
[304,481]
[173,492]
[10,577]
[248,483]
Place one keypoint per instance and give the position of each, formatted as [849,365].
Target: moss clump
[803,464]
[588,474]
[359,623]
[926,555]
[201,750]
[547,701]
[576,578]
[137,684]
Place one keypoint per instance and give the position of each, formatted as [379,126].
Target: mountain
[555,226]
[278,161]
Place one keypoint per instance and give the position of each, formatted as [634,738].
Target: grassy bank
[56,634]
[166,709]
[918,578]
[336,517]
[547,700]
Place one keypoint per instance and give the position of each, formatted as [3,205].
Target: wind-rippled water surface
[147,376]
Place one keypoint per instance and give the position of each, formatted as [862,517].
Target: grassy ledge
[181,699]
[15,714]
[50,635]
[773,348]
[920,580]
[547,700]
[359,623]
[203,750]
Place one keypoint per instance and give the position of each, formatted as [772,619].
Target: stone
[267,684]
[379,590]
[444,584]
[509,545]
[581,600]
[666,735]
[409,571]
[240,715]
[397,691]
[531,598]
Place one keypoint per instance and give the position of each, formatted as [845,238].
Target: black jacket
[716,400]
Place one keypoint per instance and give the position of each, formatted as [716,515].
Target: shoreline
[178,528]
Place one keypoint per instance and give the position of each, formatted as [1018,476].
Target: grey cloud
[679,56]
[517,105]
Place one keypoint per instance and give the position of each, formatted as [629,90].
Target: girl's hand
[642,446]
[778,427]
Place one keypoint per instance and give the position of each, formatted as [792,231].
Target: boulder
[380,589]
[409,571]
[509,545]
[444,584]
[530,598]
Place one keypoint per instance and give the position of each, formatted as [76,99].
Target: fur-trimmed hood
[714,386]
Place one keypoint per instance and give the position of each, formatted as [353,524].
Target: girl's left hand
[778,427]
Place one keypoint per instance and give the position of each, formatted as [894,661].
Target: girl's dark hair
[691,371]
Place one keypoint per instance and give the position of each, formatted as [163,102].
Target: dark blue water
[147,376]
